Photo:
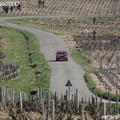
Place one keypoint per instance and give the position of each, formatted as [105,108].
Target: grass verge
[15,49]
[77,55]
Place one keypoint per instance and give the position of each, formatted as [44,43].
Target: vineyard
[96,42]
[7,71]
[101,52]
[38,106]
[68,7]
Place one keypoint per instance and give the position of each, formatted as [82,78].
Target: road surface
[61,71]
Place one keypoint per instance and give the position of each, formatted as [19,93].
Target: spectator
[39,3]
[94,34]
[6,9]
[94,20]
[19,7]
[69,21]
[11,8]
[43,3]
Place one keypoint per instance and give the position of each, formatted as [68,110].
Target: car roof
[61,51]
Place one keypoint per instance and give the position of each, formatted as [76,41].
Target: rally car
[61,55]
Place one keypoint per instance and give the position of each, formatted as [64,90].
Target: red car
[62,55]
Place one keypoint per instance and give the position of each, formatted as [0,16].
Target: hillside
[66,7]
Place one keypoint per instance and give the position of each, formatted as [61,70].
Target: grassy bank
[77,55]
[15,49]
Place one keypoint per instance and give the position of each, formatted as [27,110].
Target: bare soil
[103,86]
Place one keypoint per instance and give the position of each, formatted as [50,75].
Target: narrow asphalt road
[61,71]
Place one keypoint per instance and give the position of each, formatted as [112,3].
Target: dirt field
[66,7]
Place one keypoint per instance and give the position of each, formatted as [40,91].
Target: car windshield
[60,54]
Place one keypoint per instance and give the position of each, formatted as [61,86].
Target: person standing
[43,3]
[94,35]
[19,7]
[94,20]
[39,3]
[6,9]
[11,8]
[69,21]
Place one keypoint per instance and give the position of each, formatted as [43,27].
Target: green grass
[82,60]
[15,50]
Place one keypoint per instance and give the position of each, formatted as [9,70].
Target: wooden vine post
[21,105]
[52,110]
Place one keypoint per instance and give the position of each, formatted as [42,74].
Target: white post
[104,110]
[21,106]
[42,108]
[38,94]
[13,96]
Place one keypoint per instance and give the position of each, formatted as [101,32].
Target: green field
[15,49]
